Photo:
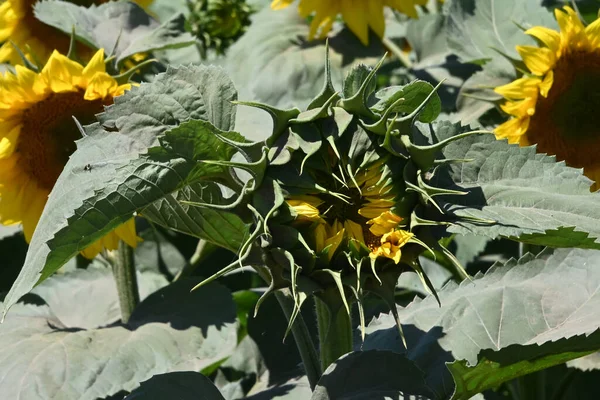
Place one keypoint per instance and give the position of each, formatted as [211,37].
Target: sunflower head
[554,105]
[359,15]
[345,203]
[38,134]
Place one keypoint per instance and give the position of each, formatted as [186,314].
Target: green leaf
[121,169]
[94,292]
[477,96]
[369,375]
[156,253]
[122,26]
[427,37]
[437,274]
[167,332]
[414,94]
[529,196]
[222,227]
[518,318]
[185,385]
[284,71]
[478,31]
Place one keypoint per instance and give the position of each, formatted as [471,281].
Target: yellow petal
[334,242]
[355,17]
[33,212]
[8,140]
[520,108]
[375,16]
[549,37]
[384,223]
[100,86]
[95,65]
[546,84]
[519,89]
[280,4]
[592,31]
[512,129]
[538,59]
[126,232]
[354,231]
[572,31]
[305,210]
[320,234]
[62,74]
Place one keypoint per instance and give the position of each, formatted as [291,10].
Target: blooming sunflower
[35,39]
[359,15]
[556,105]
[359,212]
[37,135]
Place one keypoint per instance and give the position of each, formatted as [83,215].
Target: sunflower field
[300,199]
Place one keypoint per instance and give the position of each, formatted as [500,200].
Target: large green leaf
[283,69]
[94,292]
[517,318]
[45,359]
[477,31]
[120,26]
[177,385]
[515,192]
[372,375]
[119,167]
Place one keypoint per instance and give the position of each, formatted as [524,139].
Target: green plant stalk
[304,342]
[126,280]
[335,333]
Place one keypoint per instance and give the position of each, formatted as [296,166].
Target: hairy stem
[335,333]
[304,342]
[126,280]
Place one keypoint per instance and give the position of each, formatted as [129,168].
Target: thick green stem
[304,342]
[335,333]
[124,273]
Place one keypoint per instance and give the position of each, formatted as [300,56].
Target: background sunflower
[555,105]
[38,135]
[359,15]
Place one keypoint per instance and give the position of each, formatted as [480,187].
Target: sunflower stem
[397,52]
[126,280]
[335,332]
[306,347]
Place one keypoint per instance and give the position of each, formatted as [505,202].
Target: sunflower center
[342,207]
[567,122]
[48,134]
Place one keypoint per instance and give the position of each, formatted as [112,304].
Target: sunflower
[359,212]
[35,39]
[359,15]
[555,106]
[37,135]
